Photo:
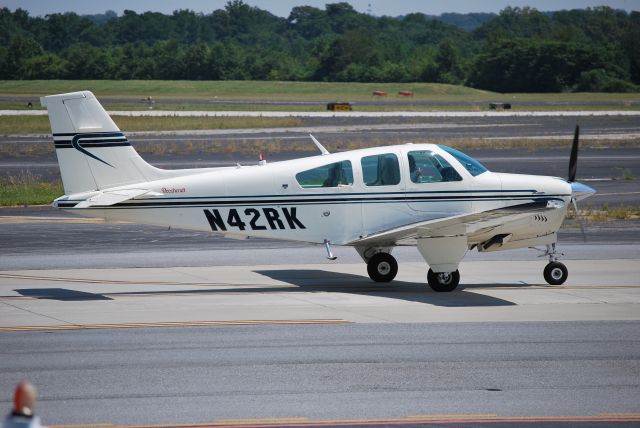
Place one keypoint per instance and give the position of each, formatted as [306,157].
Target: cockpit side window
[330,175]
[470,164]
[428,167]
[380,170]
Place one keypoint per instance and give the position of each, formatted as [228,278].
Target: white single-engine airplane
[373,199]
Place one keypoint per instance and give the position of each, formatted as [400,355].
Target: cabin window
[381,170]
[470,164]
[331,175]
[428,167]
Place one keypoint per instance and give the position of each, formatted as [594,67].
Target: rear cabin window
[381,170]
[428,167]
[331,175]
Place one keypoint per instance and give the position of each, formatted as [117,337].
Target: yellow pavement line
[123,282]
[172,324]
[429,419]
[81,426]
[260,421]
[453,415]
[218,284]
[105,281]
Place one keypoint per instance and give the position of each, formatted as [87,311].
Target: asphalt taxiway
[442,374]
[256,332]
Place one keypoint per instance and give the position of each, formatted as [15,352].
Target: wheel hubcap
[444,278]
[384,268]
[556,273]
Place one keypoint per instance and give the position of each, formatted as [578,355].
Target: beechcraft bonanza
[427,195]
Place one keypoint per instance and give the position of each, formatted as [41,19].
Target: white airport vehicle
[427,195]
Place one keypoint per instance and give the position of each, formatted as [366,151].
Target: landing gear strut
[382,267]
[555,273]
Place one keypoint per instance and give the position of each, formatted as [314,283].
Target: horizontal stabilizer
[111,197]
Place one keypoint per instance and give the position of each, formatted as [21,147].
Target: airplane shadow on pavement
[61,294]
[304,280]
[321,280]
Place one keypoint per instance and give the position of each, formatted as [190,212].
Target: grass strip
[138,90]
[27,189]
[235,89]
[606,213]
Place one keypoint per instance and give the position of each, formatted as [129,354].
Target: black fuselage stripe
[200,204]
[341,200]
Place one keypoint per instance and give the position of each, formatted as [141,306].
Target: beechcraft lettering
[254,219]
[431,196]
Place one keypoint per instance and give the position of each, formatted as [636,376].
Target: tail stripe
[90,140]
[94,143]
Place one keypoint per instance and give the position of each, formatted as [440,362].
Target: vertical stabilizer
[93,153]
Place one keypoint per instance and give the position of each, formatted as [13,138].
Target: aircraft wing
[464,224]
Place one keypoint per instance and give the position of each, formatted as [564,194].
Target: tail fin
[92,152]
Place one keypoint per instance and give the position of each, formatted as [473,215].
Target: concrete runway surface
[304,343]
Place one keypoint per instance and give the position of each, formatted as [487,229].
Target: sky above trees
[283,7]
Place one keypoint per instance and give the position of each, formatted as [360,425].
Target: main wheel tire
[555,273]
[443,281]
[382,267]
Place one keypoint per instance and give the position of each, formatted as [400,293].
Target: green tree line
[518,50]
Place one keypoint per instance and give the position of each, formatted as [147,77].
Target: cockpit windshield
[470,164]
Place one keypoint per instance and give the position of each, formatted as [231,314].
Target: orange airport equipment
[339,106]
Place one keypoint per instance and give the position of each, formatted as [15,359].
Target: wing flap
[464,224]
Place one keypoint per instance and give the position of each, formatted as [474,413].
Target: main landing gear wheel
[382,267]
[555,273]
[443,281]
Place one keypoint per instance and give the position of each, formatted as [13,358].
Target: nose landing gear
[555,273]
[443,281]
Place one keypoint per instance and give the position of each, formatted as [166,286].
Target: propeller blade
[573,160]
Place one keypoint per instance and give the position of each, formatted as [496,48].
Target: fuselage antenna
[318,145]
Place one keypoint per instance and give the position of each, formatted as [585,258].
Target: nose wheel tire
[443,281]
[555,273]
[382,267]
